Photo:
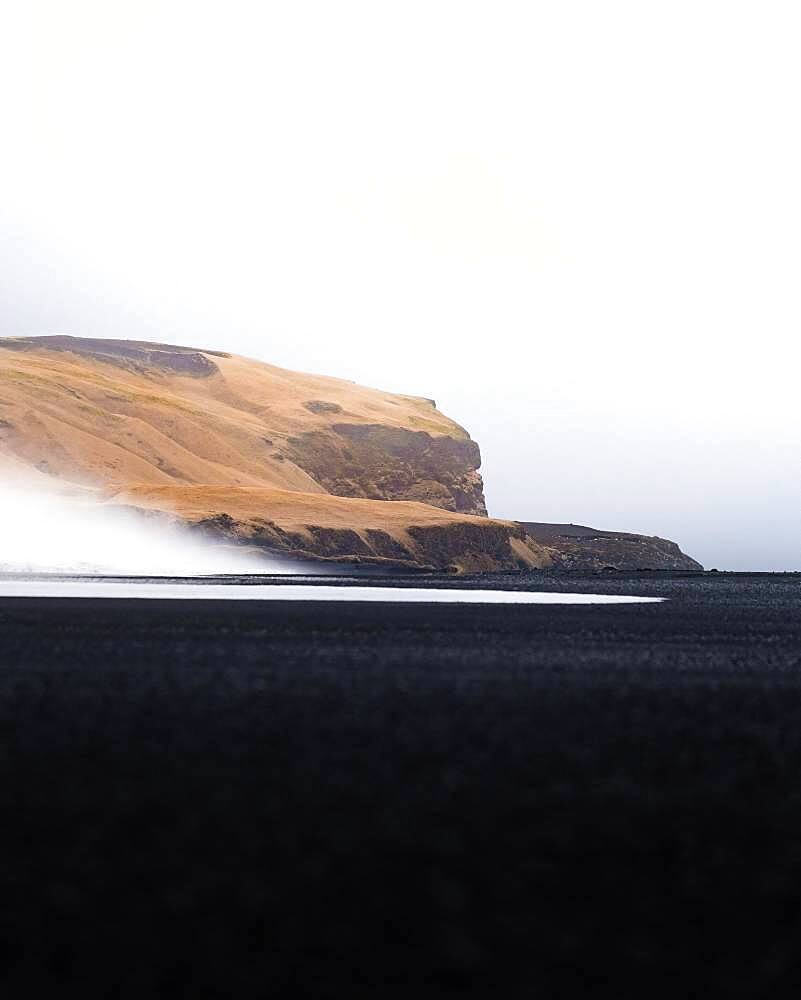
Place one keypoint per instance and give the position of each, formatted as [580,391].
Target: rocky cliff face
[576,547]
[387,533]
[393,463]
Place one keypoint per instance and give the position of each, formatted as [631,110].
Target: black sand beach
[218,799]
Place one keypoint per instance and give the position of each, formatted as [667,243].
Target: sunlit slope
[239,445]
[119,412]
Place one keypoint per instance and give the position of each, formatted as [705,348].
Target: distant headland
[280,461]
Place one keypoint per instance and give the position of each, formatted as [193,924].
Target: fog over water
[52,528]
[574,224]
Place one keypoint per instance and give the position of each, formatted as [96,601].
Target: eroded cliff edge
[392,534]
[579,548]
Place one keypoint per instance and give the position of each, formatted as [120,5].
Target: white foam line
[297,592]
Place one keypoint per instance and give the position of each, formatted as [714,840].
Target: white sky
[576,225]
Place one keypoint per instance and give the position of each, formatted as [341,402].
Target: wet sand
[219,798]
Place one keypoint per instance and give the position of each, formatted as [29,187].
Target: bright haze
[575,225]
[62,530]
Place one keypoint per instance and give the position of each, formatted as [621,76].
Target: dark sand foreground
[217,799]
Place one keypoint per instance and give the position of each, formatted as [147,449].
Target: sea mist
[51,527]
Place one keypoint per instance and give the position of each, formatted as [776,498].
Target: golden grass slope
[94,420]
[289,461]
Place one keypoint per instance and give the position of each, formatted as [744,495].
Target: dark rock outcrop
[134,355]
[490,543]
[391,463]
[577,547]
[319,406]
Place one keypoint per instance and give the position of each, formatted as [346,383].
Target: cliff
[392,533]
[277,460]
[282,460]
[576,547]
[126,412]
